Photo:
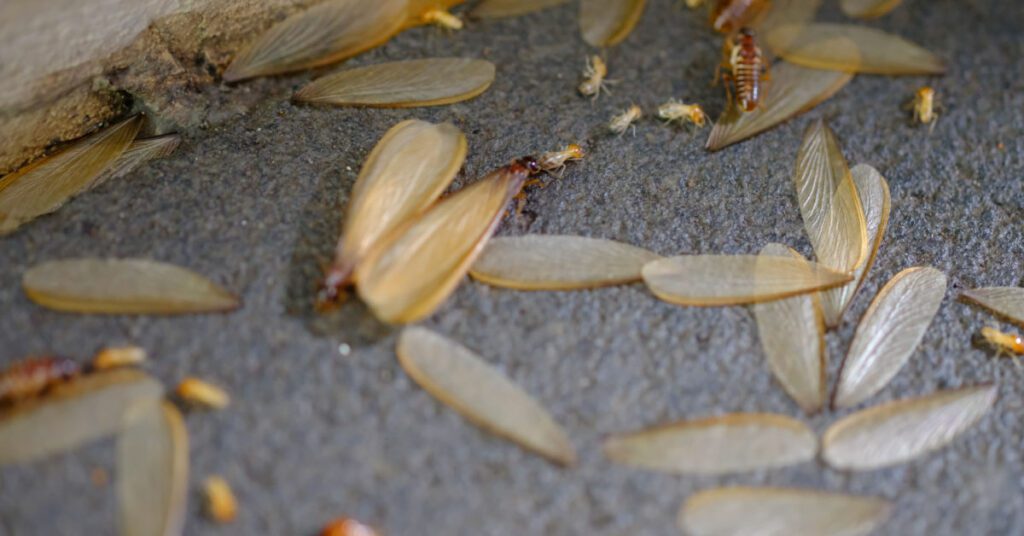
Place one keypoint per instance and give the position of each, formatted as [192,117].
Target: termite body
[32,376]
[745,71]
[622,122]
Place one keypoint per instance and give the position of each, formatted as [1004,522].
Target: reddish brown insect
[34,375]
[729,15]
[745,71]
[346,526]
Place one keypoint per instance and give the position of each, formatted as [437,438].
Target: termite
[1009,343]
[728,15]
[34,375]
[114,357]
[554,161]
[674,110]
[346,526]
[443,19]
[745,70]
[594,78]
[620,123]
[924,106]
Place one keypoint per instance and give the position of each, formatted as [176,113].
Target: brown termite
[594,78]
[745,71]
[623,121]
[32,376]
[674,110]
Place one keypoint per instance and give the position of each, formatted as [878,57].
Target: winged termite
[138,153]
[716,445]
[709,280]
[221,505]
[558,262]
[405,173]
[409,276]
[72,413]
[728,16]
[792,334]
[44,186]
[792,91]
[31,376]
[202,393]
[460,379]
[851,48]
[622,122]
[123,286]
[868,9]
[873,191]
[152,471]
[1010,343]
[829,203]
[117,357]
[605,23]
[742,510]
[402,84]
[492,9]
[900,431]
[889,333]
[1004,301]
[594,73]
[674,110]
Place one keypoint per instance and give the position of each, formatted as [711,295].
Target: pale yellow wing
[492,9]
[851,48]
[792,335]
[788,13]
[44,186]
[868,9]
[725,444]
[404,175]
[1005,301]
[900,431]
[71,414]
[607,22]
[559,262]
[123,286]
[138,153]
[793,90]
[742,510]
[409,276]
[328,32]
[708,280]
[889,333]
[463,381]
[152,471]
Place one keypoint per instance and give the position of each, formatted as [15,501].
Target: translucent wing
[607,22]
[900,431]
[492,9]
[868,9]
[44,186]
[792,335]
[873,191]
[138,153]
[744,510]
[889,333]
[328,32]
[788,13]
[123,286]
[404,174]
[1006,301]
[829,203]
[152,471]
[408,277]
[459,378]
[851,48]
[403,84]
[793,90]
[71,414]
[716,445]
[735,279]
[558,262]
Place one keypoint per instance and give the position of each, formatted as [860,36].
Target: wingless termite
[1011,344]
[594,78]
[443,19]
[743,71]
[674,110]
[554,161]
[729,15]
[623,121]
[924,106]
[33,376]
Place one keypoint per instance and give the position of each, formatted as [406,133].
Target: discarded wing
[792,334]
[402,84]
[493,9]
[138,153]
[788,13]
[123,286]
[868,9]
[152,471]
[707,280]
[900,431]
[725,444]
[558,262]
[873,191]
[607,22]
[44,186]
[829,203]
[889,333]
[71,414]
[749,511]
[328,32]
[1006,301]
[793,90]
[202,393]
[408,277]
[851,48]
[459,378]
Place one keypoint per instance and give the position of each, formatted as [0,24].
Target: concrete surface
[313,434]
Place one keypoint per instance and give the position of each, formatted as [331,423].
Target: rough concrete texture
[313,434]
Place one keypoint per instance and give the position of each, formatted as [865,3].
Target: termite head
[575,152]
[331,291]
[1003,341]
[925,93]
[746,35]
[697,115]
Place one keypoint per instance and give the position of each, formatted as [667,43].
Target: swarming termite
[924,106]
[674,110]
[594,78]
[34,375]
[1009,343]
[745,71]
[443,19]
[729,15]
[554,161]
[621,122]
